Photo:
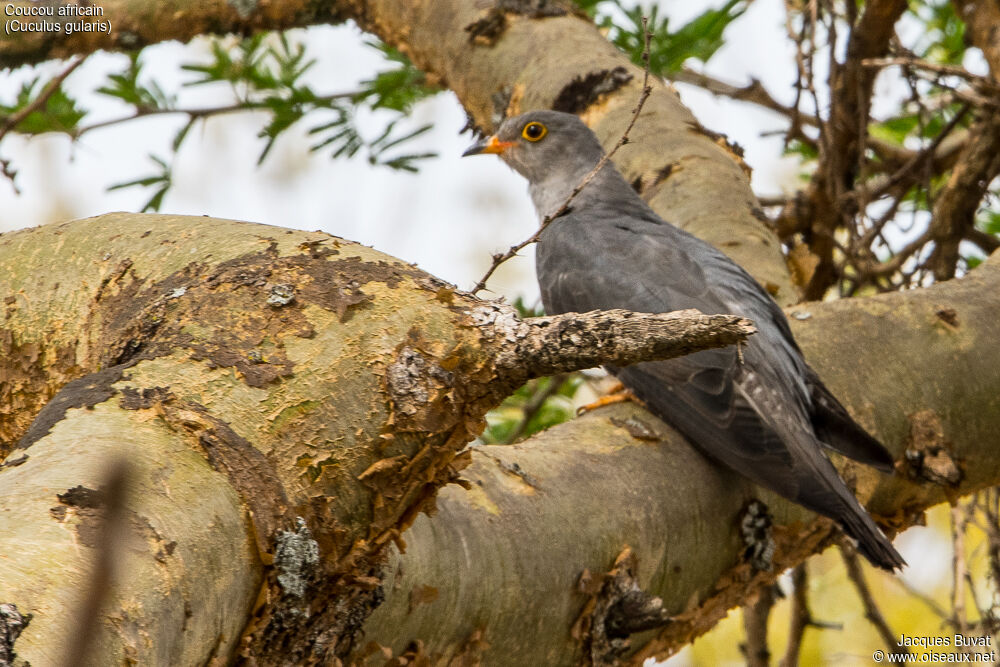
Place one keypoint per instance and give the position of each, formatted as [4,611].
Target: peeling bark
[595,487]
[306,431]
[348,454]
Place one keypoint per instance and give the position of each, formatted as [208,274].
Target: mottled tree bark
[337,386]
[296,397]
[916,368]
[288,403]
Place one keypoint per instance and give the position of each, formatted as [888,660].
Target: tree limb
[324,387]
[543,346]
[955,208]
[121,25]
[635,482]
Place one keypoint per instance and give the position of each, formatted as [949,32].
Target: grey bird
[767,416]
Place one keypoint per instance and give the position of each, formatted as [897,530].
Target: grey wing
[836,429]
[716,402]
[756,417]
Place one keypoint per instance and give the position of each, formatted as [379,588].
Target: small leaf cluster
[699,38]
[268,75]
[265,73]
[503,424]
[59,112]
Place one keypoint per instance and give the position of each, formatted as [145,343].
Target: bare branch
[754,93]
[542,346]
[988,242]
[956,205]
[942,69]
[844,135]
[755,616]
[959,520]
[801,618]
[872,612]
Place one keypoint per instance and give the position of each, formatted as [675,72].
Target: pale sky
[448,218]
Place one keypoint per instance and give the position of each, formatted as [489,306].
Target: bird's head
[544,146]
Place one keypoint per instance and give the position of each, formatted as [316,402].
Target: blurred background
[448,217]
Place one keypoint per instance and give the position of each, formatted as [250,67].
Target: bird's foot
[618,393]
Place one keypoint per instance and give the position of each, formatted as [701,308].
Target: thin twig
[13,120]
[937,68]
[755,617]
[872,612]
[199,113]
[929,602]
[801,617]
[958,571]
[499,259]
[754,93]
[10,174]
[535,403]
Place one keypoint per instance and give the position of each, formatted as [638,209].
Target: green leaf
[894,130]
[944,32]
[804,150]
[989,222]
[503,422]
[163,179]
[398,88]
[126,87]
[524,310]
[700,38]
[59,113]
[589,7]
[266,74]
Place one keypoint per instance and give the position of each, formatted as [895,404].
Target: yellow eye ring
[534,131]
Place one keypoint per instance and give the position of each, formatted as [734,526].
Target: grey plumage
[766,418]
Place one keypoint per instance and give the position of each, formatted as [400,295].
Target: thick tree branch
[325,386]
[637,483]
[362,388]
[955,208]
[121,25]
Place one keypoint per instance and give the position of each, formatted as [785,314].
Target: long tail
[872,542]
[837,502]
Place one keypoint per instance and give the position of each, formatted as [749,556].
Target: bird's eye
[533,131]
